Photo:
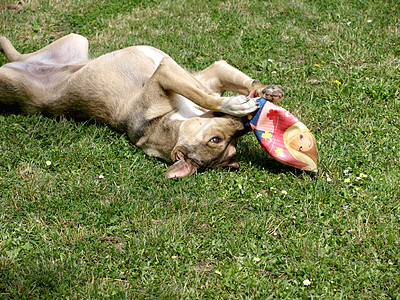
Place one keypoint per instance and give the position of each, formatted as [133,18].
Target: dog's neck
[158,137]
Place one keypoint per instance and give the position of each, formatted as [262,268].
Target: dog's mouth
[183,166]
[182,153]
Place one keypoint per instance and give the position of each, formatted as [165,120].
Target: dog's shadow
[249,151]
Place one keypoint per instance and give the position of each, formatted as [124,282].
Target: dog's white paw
[238,106]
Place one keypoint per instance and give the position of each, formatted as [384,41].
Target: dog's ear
[230,164]
[181,168]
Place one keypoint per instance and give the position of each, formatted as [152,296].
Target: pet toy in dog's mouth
[283,136]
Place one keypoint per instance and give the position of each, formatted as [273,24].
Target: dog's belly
[107,87]
[45,75]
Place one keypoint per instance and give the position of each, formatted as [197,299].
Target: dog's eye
[216,140]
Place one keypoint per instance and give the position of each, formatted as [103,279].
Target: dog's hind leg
[13,90]
[30,80]
[171,78]
[70,49]
[221,77]
[11,53]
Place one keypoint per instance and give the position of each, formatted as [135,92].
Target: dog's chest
[186,109]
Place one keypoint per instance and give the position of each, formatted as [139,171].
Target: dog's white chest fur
[155,55]
[186,109]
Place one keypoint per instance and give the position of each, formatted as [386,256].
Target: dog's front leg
[221,77]
[174,79]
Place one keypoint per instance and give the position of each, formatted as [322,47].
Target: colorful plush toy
[283,136]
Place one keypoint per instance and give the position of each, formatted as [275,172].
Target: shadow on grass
[250,152]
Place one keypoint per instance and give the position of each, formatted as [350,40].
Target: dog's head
[205,142]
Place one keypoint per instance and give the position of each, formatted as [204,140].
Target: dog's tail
[11,53]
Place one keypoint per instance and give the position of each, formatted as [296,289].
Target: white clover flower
[306,282]
[48,163]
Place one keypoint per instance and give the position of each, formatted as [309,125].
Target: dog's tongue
[252,94]
[283,136]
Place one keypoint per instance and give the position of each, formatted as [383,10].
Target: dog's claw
[273,93]
[238,106]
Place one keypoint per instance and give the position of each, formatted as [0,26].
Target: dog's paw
[273,93]
[238,106]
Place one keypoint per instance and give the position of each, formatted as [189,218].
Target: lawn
[86,215]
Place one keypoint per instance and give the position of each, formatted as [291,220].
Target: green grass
[101,222]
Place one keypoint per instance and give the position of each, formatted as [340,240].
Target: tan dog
[168,112]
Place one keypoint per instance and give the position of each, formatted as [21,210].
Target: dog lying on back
[168,112]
